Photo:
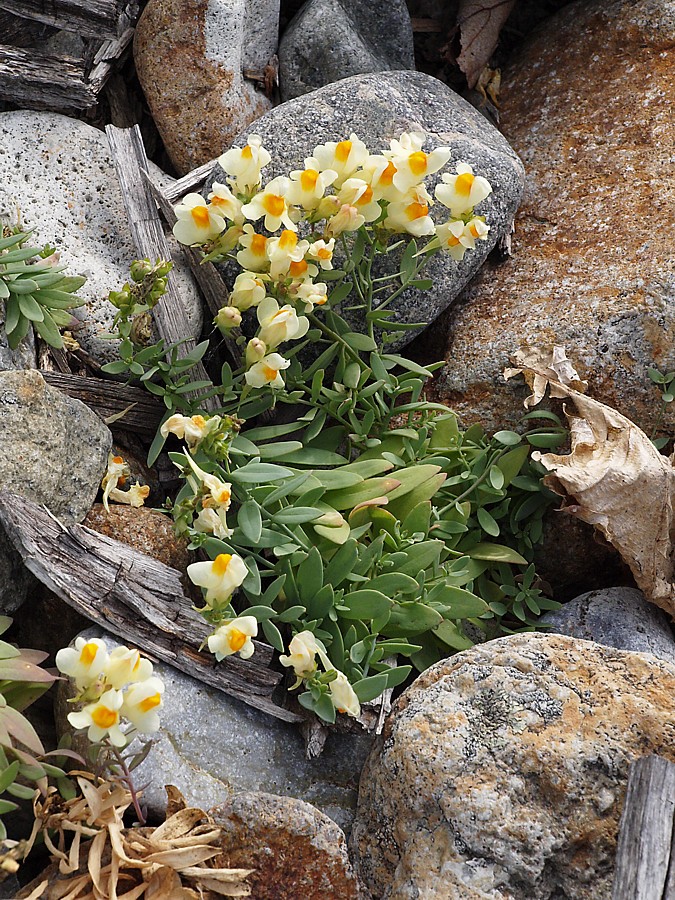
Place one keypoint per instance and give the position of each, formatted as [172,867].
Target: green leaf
[340,293]
[487,522]
[410,618]
[456,602]
[496,553]
[278,449]
[369,688]
[407,364]
[420,557]
[256,473]
[348,498]
[408,262]
[549,440]
[310,577]
[273,635]
[321,603]
[367,604]
[260,613]
[512,462]
[324,708]
[313,456]
[294,484]
[8,776]
[249,520]
[292,614]
[48,331]
[392,583]
[359,341]
[507,438]
[297,515]
[341,563]
[30,308]
[7,806]
[450,634]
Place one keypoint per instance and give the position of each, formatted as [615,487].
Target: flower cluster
[115,477]
[113,686]
[302,652]
[283,234]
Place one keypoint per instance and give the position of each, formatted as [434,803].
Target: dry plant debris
[99,859]
[479,23]
[614,477]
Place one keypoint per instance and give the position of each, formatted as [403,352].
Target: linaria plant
[366,526]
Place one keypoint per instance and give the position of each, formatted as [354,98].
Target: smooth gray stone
[378,108]
[333,39]
[617,617]
[53,450]
[210,746]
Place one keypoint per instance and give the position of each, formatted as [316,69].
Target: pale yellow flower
[322,252]
[310,294]
[141,704]
[379,173]
[225,204]
[302,652]
[347,218]
[411,214]
[244,164]
[456,237]
[102,718]
[234,637]
[191,429]
[308,186]
[220,577]
[267,371]
[343,157]
[279,324]
[85,663]
[116,473]
[135,496]
[220,492]
[412,164]
[125,666]
[253,255]
[197,222]
[461,192]
[248,290]
[343,695]
[228,318]
[284,250]
[272,204]
[358,193]
[213,521]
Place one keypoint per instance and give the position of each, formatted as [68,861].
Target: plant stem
[128,780]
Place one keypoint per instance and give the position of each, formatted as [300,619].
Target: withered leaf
[479,23]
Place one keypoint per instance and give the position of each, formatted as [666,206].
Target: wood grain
[96,18]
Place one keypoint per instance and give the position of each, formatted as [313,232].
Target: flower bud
[255,351]
[228,318]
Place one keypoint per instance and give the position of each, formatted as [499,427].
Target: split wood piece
[126,145]
[96,18]
[135,597]
[193,181]
[39,81]
[142,413]
[645,855]
[105,58]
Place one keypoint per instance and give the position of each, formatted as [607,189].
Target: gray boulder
[333,39]
[617,617]
[58,175]
[379,107]
[53,450]
[210,745]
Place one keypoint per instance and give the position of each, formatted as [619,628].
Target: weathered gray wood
[97,18]
[644,857]
[105,58]
[40,81]
[109,398]
[133,596]
[131,162]
[193,181]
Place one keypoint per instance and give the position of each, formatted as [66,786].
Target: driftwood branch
[40,81]
[645,857]
[142,412]
[133,596]
[131,163]
[95,18]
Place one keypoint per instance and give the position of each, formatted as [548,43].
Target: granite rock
[587,106]
[53,450]
[58,174]
[617,617]
[191,56]
[379,107]
[295,850]
[333,39]
[210,746]
[501,772]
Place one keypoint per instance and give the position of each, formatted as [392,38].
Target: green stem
[128,780]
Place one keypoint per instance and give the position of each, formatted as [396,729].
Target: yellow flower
[302,652]
[116,473]
[310,294]
[308,186]
[244,165]
[343,695]
[191,429]
[322,252]
[197,223]
[219,577]
[280,324]
[253,256]
[283,251]
[85,662]
[225,204]
[461,192]
[126,665]
[456,237]
[141,704]
[212,521]
[343,157]
[220,492]
[248,290]
[234,637]
[135,496]
[272,204]
[379,173]
[358,193]
[411,214]
[102,718]
[412,164]
[267,371]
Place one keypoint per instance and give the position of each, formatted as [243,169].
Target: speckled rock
[190,57]
[59,174]
[501,772]
[618,617]
[587,105]
[53,450]
[333,39]
[210,745]
[378,107]
[23,357]
[295,850]
[146,531]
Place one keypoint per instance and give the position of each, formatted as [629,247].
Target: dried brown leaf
[479,23]
[542,369]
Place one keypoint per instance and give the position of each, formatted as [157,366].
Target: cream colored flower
[116,473]
[244,164]
[358,193]
[322,252]
[125,666]
[310,294]
[279,324]
[267,371]
[343,695]
[191,429]
[228,318]
[308,186]
[225,204]
[220,577]
[248,290]
[302,652]
[272,204]
[213,521]
[253,255]
[347,218]
[220,492]
[101,718]
[411,214]
[86,662]
[234,637]
[379,173]
[135,496]
[284,250]
[255,351]
[197,223]
[456,237]
[343,157]
[141,704]
[412,164]
[461,192]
